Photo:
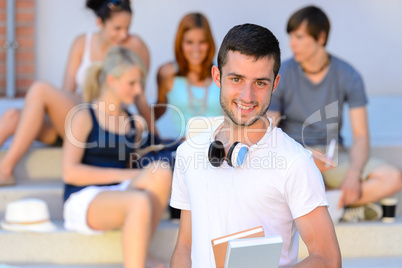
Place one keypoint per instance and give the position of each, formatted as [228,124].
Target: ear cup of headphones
[216,153]
[237,154]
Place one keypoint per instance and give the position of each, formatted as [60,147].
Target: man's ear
[321,38]
[99,22]
[216,75]
[276,82]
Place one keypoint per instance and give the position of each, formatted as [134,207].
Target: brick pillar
[2,50]
[25,34]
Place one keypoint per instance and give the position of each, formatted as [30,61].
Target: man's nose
[247,93]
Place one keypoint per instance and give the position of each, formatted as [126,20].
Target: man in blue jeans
[308,106]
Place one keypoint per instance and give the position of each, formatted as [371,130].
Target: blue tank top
[105,149]
[201,105]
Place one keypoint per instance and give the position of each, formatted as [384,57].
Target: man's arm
[181,257]
[351,186]
[317,231]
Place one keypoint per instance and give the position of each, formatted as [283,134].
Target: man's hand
[351,188]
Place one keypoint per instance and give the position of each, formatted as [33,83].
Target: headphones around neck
[236,157]
[237,154]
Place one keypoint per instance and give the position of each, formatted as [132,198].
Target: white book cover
[260,252]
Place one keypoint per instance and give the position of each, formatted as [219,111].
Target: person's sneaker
[368,212]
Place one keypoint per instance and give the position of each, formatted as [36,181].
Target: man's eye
[235,79]
[261,84]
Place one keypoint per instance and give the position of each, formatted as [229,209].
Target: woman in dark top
[45,107]
[101,193]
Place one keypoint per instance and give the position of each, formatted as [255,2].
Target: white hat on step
[28,215]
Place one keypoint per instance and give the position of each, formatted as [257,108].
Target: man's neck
[248,135]
[316,61]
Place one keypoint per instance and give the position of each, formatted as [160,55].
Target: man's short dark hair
[317,22]
[251,40]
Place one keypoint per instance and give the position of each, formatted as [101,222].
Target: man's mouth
[245,107]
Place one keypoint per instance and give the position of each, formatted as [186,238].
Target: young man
[310,100]
[276,184]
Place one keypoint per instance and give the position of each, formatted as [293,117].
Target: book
[260,252]
[219,245]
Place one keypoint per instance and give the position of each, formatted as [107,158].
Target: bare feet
[154,263]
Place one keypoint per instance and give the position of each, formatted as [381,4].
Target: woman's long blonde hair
[116,62]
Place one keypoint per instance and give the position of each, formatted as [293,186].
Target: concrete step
[68,248]
[367,239]
[39,164]
[357,242]
[50,192]
[370,262]
[379,262]
[120,265]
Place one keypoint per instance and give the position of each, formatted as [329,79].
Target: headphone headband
[237,153]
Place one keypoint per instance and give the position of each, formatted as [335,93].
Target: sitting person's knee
[37,89]
[164,172]
[390,175]
[11,115]
[396,176]
[139,201]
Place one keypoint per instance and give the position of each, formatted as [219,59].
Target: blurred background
[365,33]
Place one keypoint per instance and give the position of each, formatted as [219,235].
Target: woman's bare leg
[138,211]
[131,210]
[41,98]
[8,124]
[156,180]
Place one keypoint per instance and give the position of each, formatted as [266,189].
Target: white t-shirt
[278,183]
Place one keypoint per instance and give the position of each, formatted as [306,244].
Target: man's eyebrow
[235,74]
[264,79]
[257,79]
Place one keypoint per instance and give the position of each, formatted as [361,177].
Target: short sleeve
[180,198]
[304,186]
[356,95]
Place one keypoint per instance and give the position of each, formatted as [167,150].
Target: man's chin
[245,122]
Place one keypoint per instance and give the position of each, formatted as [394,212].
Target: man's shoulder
[197,143]
[288,65]
[287,147]
[343,67]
